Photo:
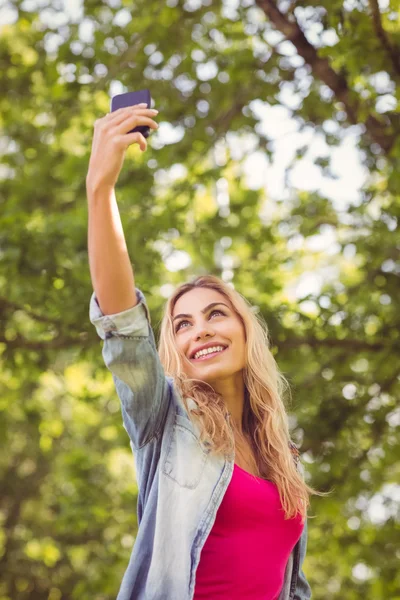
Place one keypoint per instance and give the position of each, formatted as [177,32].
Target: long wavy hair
[265,422]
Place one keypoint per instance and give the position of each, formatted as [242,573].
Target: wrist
[95,189]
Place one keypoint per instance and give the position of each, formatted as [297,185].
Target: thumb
[138,138]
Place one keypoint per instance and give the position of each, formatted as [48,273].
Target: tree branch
[13,306]
[222,122]
[322,70]
[382,36]
[56,344]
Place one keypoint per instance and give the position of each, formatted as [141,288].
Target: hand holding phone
[113,133]
[132,99]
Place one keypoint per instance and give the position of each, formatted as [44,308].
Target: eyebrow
[203,311]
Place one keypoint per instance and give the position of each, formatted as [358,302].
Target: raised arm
[110,267]
[117,310]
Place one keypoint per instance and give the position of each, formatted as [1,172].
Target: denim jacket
[180,484]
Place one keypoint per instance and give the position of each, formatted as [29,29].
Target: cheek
[181,345]
[239,341]
[241,335]
[243,345]
[243,348]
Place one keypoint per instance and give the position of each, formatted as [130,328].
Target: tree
[68,502]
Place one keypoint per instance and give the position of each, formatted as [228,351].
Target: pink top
[245,555]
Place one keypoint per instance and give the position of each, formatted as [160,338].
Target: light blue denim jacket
[180,485]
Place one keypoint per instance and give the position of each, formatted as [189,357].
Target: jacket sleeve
[303,590]
[130,353]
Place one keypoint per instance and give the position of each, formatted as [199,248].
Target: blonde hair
[265,422]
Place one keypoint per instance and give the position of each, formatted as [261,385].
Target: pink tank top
[246,552]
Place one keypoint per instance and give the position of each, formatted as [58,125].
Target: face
[204,317]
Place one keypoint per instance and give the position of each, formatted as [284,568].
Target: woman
[222,504]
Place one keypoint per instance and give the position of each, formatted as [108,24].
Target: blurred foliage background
[324,273]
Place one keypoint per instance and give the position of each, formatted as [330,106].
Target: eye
[216,310]
[177,328]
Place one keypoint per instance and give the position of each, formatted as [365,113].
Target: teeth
[209,351]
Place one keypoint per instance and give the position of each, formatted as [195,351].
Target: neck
[233,393]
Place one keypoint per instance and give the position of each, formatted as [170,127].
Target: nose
[203,331]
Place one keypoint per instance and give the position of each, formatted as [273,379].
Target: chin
[213,373]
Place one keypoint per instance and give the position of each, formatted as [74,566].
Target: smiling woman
[237,390]
[218,475]
[222,503]
[216,350]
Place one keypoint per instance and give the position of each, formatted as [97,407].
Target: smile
[208,356]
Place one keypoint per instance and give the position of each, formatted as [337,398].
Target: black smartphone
[130,99]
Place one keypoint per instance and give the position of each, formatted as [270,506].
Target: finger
[130,112]
[136,137]
[124,109]
[117,114]
[134,121]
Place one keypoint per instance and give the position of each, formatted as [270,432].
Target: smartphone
[130,99]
